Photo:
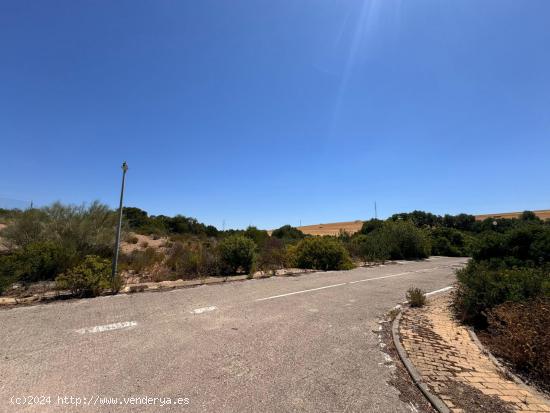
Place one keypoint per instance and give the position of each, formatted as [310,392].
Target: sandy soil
[144,242]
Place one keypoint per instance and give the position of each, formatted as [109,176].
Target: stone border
[503,369]
[50,296]
[436,402]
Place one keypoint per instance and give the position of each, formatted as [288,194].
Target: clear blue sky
[272,112]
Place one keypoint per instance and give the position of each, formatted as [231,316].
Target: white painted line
[204,309]
[300,292]
[107,327]
[355,282]
[381,278]
[441,290]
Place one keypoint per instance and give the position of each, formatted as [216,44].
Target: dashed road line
[381,278]
[352,282]
[441,290]
[300,292]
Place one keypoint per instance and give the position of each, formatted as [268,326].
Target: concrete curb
[11,302]
[436,402]
[503,369]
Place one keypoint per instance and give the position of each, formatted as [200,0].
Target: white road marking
[204,309]
[441,290]
[381,278]
[359,281]
[107,327]
[300,292]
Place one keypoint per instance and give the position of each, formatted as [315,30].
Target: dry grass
[350,227]
[143,243]
[542,214]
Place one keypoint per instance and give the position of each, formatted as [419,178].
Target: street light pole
[117,240]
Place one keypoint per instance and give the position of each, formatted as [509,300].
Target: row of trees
[44,243]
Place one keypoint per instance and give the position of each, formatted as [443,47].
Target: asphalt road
[302,343]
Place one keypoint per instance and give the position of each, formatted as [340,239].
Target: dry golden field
[332,229]
[353,226]
[542,214]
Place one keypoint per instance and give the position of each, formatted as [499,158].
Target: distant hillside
[542,214]
[332,229]
[353,226]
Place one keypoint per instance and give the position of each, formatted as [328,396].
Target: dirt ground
[143,242]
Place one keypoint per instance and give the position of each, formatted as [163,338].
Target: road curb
[436,402]
[502,368]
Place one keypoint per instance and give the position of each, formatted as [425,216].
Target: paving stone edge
[436,402]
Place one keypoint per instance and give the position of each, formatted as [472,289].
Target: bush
[403,240]
[90,278]
[140,221]
[288,234]
[237,252]
[370,248]
[322,253]
[448,242]
[526,244]
[139,260]
[86,230]
[37,261]
[518,332]
[416,297]
[193,259]
[371,225]
[132,239]
[272,256]
[481,287]
[260,237]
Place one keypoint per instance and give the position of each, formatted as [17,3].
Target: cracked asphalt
[303,344]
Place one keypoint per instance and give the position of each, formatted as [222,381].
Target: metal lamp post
[117,240]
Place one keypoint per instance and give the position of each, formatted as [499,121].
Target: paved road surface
[301,343]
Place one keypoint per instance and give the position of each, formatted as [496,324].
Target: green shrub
[370,248]
[449,242]
[89,279]
[519,332]
[237,252]
[371,225]
[481,287]
[403,240]
[259,236]
[525,244]
[193,259]
[416,297]
[288,234]
[322,253]
[139,220]
[37,261]
[86,230]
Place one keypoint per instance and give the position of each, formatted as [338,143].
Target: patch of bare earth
[141,242]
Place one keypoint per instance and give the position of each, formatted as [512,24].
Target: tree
[259,236]
[288,233]
[371,225]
